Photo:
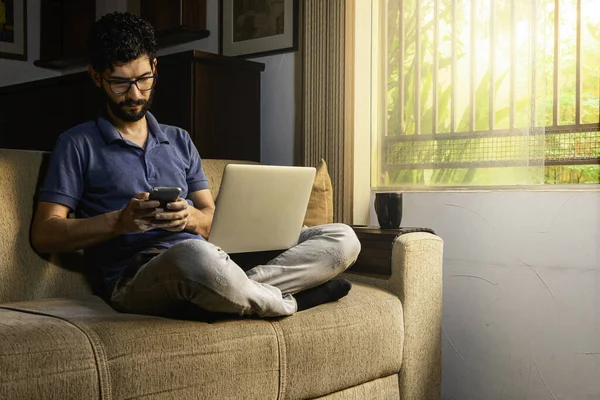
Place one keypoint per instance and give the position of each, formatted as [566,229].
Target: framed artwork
[252,28]
[13,29]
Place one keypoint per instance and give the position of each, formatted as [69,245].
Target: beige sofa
[58,341]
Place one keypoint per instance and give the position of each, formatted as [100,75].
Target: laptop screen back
[260,207]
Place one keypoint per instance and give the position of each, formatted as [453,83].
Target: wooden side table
[375,257]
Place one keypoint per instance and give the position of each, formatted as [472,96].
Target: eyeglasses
[122,86]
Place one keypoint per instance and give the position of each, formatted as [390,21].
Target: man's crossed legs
[197,272]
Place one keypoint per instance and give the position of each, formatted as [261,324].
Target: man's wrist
[193,222]
[199,222]
[114,222]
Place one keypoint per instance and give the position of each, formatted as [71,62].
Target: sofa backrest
[25,275]
[214,169]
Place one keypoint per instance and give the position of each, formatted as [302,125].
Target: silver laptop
[260,207]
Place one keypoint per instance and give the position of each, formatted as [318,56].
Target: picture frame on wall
[13,29]
[253,28]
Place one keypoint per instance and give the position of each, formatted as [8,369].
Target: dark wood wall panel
[216,99]
[161,18]
[78,18]
[34,114]
[173,99]
[64,28]
[50,29]
[227,121]
[194,13]
[235,127]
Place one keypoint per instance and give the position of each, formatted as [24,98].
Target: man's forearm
[61,235]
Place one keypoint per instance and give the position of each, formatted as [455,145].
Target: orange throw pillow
[320,204]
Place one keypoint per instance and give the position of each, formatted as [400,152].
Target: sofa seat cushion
[43,357]
[342,344]
[141,356]
[315,352]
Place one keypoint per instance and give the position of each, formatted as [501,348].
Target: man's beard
[119,110]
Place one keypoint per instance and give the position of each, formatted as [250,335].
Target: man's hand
[175,218]
[139,214]
[142,214]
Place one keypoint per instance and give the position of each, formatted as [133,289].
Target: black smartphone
[165,194]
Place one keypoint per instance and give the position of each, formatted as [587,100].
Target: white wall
[278,109]
[521,286]
[521,305]
[13,72]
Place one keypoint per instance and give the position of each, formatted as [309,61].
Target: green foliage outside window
[495,146]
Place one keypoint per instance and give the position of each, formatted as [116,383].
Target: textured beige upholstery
[417,280]
[57,341]
[363,342]
[378,389]
[23,274]
[44,358]
[143,356]
[214,171]
[297,357]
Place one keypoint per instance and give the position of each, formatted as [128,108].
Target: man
[153,260]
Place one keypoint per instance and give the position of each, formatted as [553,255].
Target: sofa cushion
[144,356]
[315,352]
[382,388]
[43,357]
[342,344]
[320,204]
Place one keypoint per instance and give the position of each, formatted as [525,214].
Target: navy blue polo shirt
[94,170]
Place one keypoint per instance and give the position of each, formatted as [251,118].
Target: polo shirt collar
[155,129]
[110,134]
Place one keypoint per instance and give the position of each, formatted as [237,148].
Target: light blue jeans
[198,272]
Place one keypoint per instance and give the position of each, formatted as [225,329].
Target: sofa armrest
[416,278]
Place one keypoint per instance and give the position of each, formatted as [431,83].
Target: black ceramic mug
[388,207]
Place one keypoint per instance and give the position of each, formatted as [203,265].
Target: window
[486,92]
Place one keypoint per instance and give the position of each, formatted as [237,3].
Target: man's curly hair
[120,37]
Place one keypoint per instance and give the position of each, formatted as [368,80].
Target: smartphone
[165,194]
